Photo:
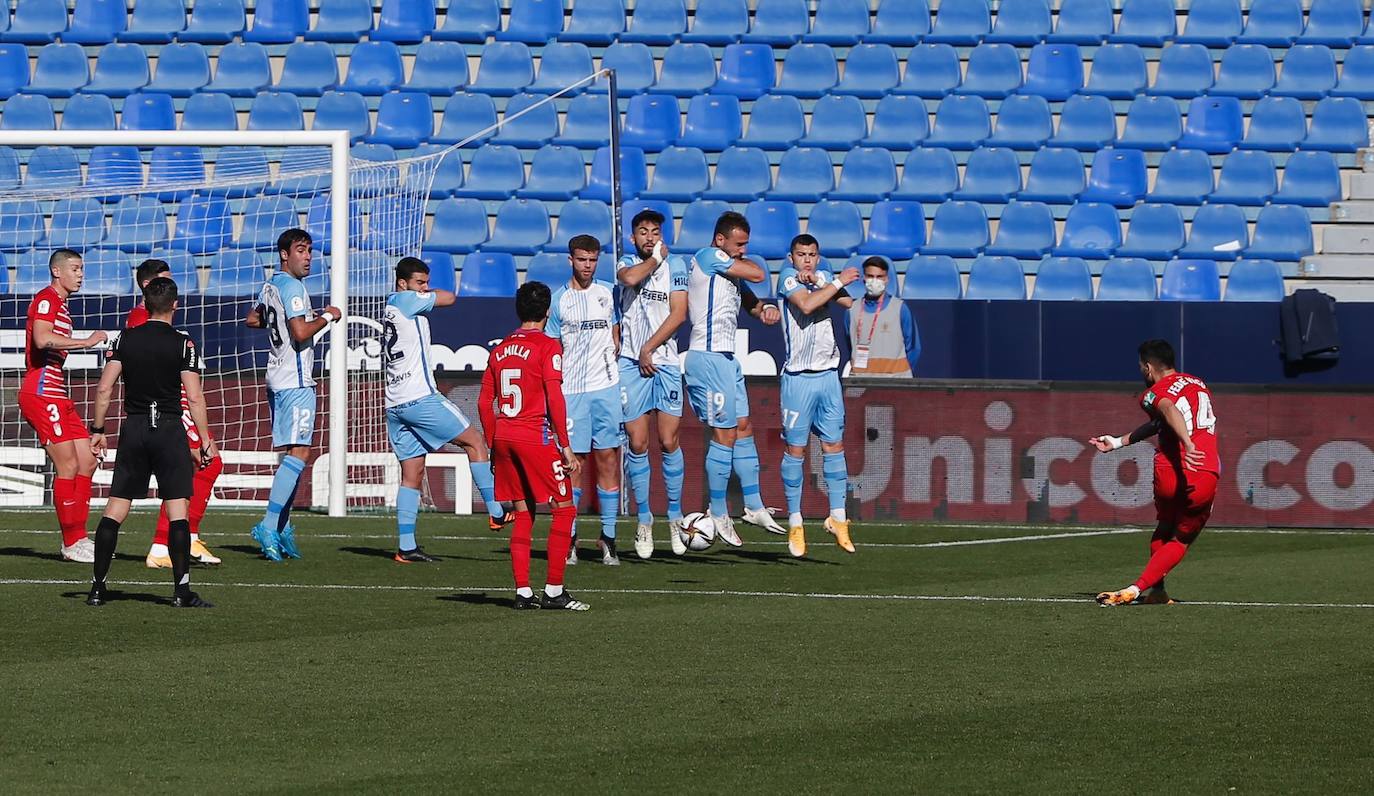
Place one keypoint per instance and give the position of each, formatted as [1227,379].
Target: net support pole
[616,243]
[338,337]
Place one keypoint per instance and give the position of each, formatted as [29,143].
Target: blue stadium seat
[345,21]
[210,111]
[778,22]
[928,175]
[717,23]
[460,226]
[21,228]
[932,276]
[242,163]
[746,70]
[633,207]
[404,22]
[1155,232]
[1282,232]
[960,229]
[595,22]
[990,175]
[470,21]
[28,112]
[76,224]
[869,175]
[713,122]
[1091,231]
[1309,72]
[995,278]
[488,274]
[443,273]
[1054,71]
[1212,23]
[900,23]
[1149,23]
[1254,280]
[1219,232]
[1185,70]
[496,172]
[1357,74]
[776,122]
[634,68]
[176,165]
[899,123]
[932,71]
[14,69]
[698,223]
[1338,124]
[203,225]
[1063,279]
[1311,179]
[961,122]
[149,111]
[1117,178]
[279,22]
[1184,177]
[61,70]
[342,110]
[298,171]
[652,122]
[466,115]
[1118,72]
[585,124]
[1152,123]
[9,169]
[506,68]
[533,21]
[88,112]
[657,22]
[804,175]
[448,173]
[141,224]
[182,70]
[309,69]
[1247,72]
[689,69]
[271,110]
[1056,176]
[1083,22]
[264,217]
[155,22]
[1021,22]
[108,273]
[1214,125]
[774,225]
[532,130]
[1086,123]
[242,69]
[551,268]
[837,122]
[837,225]
[1272,23]
[896,229]
[1190,280]
[117,168]
[993,71]
[214,22]
[556,172]
[522,227]
[634,174]
[1247,178]
[839,22]
[53,167]
[808,71]
[37,21]
[119,70]
[963,23]
[870,72]
[1333,23]
[1275,123]
[1023,123]
[1127,279]
[405,119]
[374,68]
[1025,230]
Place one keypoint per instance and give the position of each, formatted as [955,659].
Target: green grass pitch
[730,670]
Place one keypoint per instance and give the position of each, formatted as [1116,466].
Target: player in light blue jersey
[715,381]
[283,310]
[811,400]
[584,317]
[653,306]
[419,419]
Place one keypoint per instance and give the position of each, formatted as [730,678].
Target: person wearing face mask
[883,340]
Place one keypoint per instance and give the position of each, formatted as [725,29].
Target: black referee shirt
[154,356]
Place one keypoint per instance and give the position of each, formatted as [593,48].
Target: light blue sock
[609,499]
[481,476]
[637,467]
[792,482]
[673,470]
[747,468]
[718,458]
[283,488]
[407,510]
[577,505]
[836,479]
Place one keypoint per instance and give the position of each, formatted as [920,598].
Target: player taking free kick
[1186,467]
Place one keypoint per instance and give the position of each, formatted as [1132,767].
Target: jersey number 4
[1203,420]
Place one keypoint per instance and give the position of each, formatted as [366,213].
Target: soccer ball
[698,531]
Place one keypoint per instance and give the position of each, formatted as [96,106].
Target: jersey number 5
[512,400]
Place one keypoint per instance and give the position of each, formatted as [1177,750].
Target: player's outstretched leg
[792,475]
[746,465]
[837,486]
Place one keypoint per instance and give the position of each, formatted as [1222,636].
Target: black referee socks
[179,547]
[106,537]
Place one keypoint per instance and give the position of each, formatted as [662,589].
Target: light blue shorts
[293,416]
[640,395]
[423,426]
[715,387]
[594,420]
[812,403]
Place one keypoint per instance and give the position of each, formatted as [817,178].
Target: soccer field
[935,659]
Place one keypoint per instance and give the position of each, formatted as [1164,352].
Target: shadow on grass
[477,598]
[114,596]
[29,552]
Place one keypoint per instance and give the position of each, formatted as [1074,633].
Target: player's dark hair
[60,256]
[877,262]
[291,237]
[409,267]
[730,221]
[532,302]
[804,240]
[584,243]
[651,216]
[160,296]
[150,268]
[1157,352]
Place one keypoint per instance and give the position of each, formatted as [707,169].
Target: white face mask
[875,286]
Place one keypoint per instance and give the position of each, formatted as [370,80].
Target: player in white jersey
[715,381]
[653,306]
[585,319]
[419,420]
[284,310]
[811,399]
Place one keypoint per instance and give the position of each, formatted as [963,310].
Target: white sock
[794,520]
[195,537]
[839,514]
[552,590]
[525,591]
[159,551]
[1133,590]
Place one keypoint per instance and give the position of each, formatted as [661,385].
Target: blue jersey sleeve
[788,282]
[554,327]
[911,337]
[410,303]
[712,260]
[294,300]
[626,261]
[677,273]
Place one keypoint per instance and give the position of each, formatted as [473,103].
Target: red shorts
[1183,500]
[55,419]
[528,471]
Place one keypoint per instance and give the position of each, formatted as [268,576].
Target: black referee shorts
[146,451]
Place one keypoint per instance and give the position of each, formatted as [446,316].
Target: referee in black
[156,362]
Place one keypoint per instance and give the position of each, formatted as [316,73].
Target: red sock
[203,486]
[560,539]
[82,513]
[160,533]
[64,503]
[1164,559]
[520,548]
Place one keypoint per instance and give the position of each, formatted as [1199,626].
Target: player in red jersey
[159,557]
[45,405]
[1187,466]
[526,422]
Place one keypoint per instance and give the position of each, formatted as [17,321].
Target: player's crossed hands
[850,275]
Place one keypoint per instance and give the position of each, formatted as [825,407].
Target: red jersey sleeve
[486,409]
[137,317]
[46,306]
